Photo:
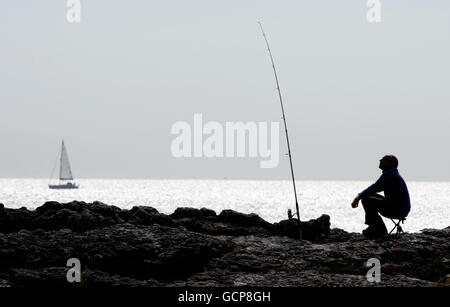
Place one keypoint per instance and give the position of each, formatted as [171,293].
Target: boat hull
[63,186]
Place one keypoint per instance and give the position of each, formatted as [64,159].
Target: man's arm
[378,186]
[356,201]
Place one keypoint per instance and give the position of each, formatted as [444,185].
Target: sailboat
[65,173]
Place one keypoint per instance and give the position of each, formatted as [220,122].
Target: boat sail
[65,172]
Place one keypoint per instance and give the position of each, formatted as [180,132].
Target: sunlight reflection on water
[269,199]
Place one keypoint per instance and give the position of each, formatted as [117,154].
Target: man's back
[395,190]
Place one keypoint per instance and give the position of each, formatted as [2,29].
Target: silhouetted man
[394,204]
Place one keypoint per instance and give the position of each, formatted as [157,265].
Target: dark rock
[215,228]
[49,206]
[53,206]
[137,251]
[105,210]
[311,230]
[244,220]
[289,228]
[82,220]
[13,220]
[337,235]
[192,247]
[183,212]
[207,212]
[148,210]
[149,216]
[45,277]
[316,227]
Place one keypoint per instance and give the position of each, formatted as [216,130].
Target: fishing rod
[285,125]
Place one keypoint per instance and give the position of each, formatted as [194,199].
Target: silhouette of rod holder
[290,215]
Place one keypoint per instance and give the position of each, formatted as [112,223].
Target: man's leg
[372,205]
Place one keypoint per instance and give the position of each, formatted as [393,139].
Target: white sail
[65,173]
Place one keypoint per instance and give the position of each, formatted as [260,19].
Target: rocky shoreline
[198,247]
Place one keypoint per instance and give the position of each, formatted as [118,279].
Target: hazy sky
[113,85]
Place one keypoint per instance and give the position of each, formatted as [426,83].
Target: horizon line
[221,179]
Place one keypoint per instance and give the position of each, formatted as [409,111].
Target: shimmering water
[269,199]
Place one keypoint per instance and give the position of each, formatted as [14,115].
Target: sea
[269,199]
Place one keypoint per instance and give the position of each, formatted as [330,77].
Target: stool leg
[392,230]
[395,226]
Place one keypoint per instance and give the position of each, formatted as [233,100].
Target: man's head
[388,162]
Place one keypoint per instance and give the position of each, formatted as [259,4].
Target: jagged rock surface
[197,247]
